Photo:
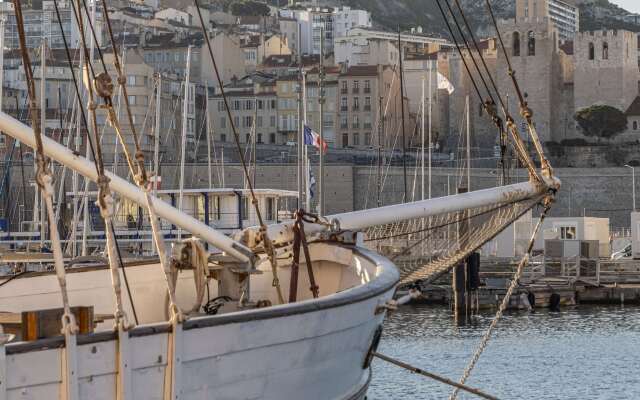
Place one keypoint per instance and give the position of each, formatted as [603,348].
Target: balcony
[367,90]
[344,126]
[355,90]
[367,107]
[344,108]
[367,125]
[355,125]
[356,108]
[344,91]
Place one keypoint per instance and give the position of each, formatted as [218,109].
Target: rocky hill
[595,14]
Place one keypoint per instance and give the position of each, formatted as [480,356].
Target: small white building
[511,242]
[575,228]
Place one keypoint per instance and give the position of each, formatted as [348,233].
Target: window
[247,138]
[343,104]
[345,140]
[132,100]
[356,86]
[221,106]
[248,104]
[356,103]
[343,88]
[367,86]
[245,208]
[223,137]
[516,44]
[260,104]
[635,125]
[356,122]
[259,121]
[344,123]
[223,122]
[260,138]
[236,104]
[605,51]
[367,139]
[216,211]
[356,139]
[592,51]
[367,103]
[272,121]
[531,43]
[272,138]
[568,232]
[271,207]
[236,121]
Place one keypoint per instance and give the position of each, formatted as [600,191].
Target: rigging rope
[268,245]
[505,301]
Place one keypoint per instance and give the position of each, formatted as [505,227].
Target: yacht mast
[300,126]
[206,106]
[43,127]
[404,138]
[321,101]
[468,146]
[185,109]
[430,123]
[156,144]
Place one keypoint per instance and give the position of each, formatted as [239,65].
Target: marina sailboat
[288,309]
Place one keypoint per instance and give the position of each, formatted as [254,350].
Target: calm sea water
[578,353]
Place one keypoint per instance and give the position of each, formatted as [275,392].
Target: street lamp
[633,174]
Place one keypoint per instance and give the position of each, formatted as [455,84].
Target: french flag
[311,138]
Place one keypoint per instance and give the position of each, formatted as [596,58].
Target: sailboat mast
[300,126]
[321,101]
[156,144]
[468,146]
[430,123]
[404,139]
[422,139]
[43,127]
[209,173]
[380,136]
[185,110]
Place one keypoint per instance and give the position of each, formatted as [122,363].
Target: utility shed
[575,228]
[512,241]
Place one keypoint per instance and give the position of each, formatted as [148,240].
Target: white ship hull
[312,349]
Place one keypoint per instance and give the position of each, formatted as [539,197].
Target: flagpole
[300,127]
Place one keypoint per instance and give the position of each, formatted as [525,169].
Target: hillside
[595,14]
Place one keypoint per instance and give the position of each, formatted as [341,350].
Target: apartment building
[361,89]
[253,105]
[564,15]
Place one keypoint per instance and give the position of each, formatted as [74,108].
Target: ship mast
[404,139]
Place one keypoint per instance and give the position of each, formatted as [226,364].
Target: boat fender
[532,299]
[373,347]
[414,294]
[554,302]
[524,300]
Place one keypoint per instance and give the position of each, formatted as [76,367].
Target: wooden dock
[579,282]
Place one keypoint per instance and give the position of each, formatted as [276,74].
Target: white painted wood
[315,354]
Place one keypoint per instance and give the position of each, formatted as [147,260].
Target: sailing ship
[282,310]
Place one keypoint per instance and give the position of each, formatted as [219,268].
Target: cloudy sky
[630,5]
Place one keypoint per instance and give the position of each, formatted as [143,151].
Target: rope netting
[426,248]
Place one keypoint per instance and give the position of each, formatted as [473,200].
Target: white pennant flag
[443,83]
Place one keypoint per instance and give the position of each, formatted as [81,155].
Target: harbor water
[587,352]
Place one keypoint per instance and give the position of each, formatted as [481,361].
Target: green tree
[600,121]
[249,8]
